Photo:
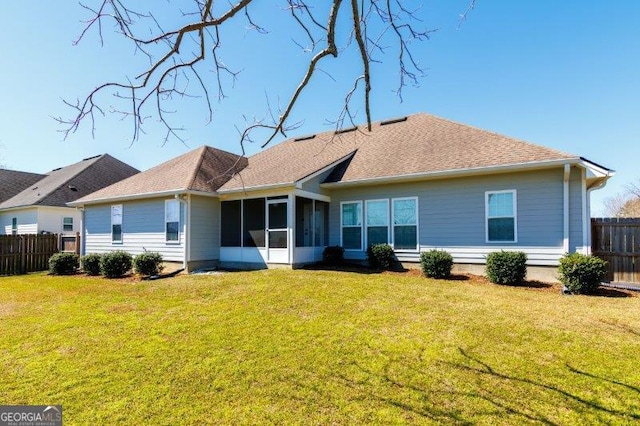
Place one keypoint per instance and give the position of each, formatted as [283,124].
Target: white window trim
[121,221]
[176,242]
[393,225]
[366,221]
[515,216]
[14,230]
[67,217]
[352,226]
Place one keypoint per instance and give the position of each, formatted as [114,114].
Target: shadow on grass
[344,267]
[610,292]
[484,368]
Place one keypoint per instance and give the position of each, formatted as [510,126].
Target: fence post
[23,255]
[78,243]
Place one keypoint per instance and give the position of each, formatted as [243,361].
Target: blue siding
[452,211]
[205,228]
[143,228]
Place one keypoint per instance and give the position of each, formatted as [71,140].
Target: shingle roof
[420,144]
[13,182]
[66,184]
[203,169]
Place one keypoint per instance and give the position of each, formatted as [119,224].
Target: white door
[277,231]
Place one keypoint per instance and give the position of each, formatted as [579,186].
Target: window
[501,216]
[351,220]
[231,220]
[377,214]
[172,220]
[14,226]
[67,224]
[116,223]
[405,223]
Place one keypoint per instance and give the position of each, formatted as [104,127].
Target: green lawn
[316,347]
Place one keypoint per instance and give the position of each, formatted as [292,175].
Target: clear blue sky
[561,74]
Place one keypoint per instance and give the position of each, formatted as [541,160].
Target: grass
[316,347]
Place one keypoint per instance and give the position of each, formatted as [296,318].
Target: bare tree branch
[175,66]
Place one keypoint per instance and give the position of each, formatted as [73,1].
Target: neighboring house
[417,183]
[13,182]
[38,203]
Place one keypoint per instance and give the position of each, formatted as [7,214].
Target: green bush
[436,263]
[148,263]
[380,256]
[91,263]
[506,267]
[63,264]
[333,255]
[581,273]
[115,264]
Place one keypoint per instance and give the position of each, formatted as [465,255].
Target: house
[34,203]
[417,182]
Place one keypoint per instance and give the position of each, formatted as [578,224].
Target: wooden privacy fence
[617,240]
[20,254]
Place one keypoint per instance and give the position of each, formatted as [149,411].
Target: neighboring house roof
[68,183]
[13,182]
[202,170]
[415,145]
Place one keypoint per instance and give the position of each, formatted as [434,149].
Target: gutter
[171,192]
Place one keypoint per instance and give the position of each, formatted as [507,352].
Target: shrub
[333,255]
[63,263]
[148,263]
[506,267]
[436,263]
[91,263]
[581,273]
[115,264]
[380,256]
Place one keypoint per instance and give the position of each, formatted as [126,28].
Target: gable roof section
[421,144]
[13,182]
[68,183]
[201,170]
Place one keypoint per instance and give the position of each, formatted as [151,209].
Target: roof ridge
[45,196]
[196,170]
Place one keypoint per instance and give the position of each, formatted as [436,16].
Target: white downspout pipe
[565,207]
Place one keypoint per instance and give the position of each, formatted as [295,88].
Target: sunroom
[285,229]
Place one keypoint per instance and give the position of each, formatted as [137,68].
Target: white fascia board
[248,189]
[142,196]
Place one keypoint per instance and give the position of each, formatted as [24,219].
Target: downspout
[83,234]
[187,224]
[586,220]
[565,207]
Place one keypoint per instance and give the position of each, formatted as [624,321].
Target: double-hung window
[501,216]
[377,215]
[14,226]
[351,220]
[405,223]
[67,224]
[172,220]
[116,223]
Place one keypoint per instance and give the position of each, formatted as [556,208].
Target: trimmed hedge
[91,263]
[63,264]
[333,255]
[580,273]
[380,256]
[148,263]
[115,264]
[436,263]
[506,267]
